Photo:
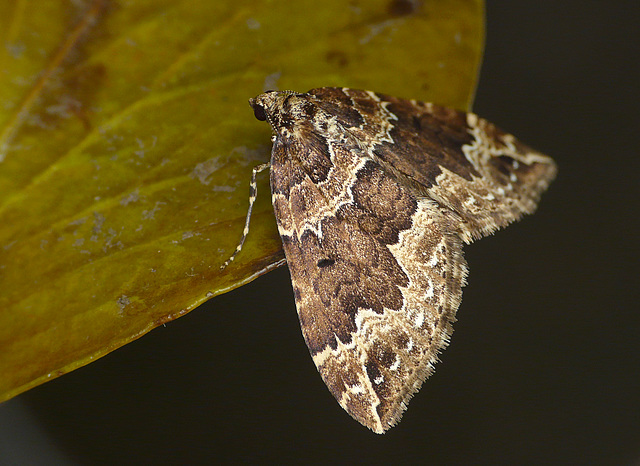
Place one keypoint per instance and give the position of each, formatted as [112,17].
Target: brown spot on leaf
[337,58]
[402,7]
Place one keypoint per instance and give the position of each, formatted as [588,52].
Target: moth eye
[258,111]
[325,262]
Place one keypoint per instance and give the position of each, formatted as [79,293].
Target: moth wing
[461,161]
[377,275]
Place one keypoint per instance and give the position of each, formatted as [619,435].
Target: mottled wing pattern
[376,276]
[463,162]
[373,235]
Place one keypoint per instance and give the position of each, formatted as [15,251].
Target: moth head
[282,109]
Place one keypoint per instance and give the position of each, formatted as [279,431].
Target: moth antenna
[253,193]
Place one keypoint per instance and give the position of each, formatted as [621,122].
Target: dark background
[544,363]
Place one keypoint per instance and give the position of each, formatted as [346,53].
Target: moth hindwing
[374,197]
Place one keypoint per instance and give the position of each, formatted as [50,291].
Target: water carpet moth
[374,197]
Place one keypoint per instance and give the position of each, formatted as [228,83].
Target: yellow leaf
[126,148]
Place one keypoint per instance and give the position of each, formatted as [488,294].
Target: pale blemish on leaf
[204,170]
[133,196]
[271,82]
[123,301]
[151,213]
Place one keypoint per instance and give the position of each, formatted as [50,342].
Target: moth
[374,197]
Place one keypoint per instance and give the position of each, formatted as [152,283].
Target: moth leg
[253,192]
